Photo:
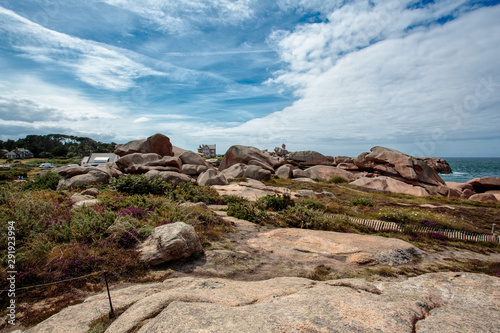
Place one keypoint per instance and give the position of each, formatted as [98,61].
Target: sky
[338,77]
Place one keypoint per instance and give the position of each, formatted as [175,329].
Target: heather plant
[57,241]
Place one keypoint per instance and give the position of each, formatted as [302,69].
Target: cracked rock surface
[437,302]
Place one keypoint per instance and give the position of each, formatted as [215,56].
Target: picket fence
[452,234]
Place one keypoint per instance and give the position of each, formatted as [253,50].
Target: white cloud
[93,63]
[401,90]
[184,16]
[142,120]
[32,105]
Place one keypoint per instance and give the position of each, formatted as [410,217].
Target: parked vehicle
[47,165]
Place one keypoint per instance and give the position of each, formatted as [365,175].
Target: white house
[99,158]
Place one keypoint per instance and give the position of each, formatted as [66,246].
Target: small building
[19,153]
[99,158]
[207,150]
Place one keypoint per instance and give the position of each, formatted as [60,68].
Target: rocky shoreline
[382,169]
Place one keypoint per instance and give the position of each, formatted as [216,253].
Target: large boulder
[235,171]
[93,176]
[136,158]
[111,169]
[169,176]
[249,156]
[158,143]
[308,158]
[342,159]
[212,177]
[193,169]
[170,242]
[438,164]
[393,163]
[285,171]
[189,157]
[390,185]
[460,186]
[484,197]
[256,172]
[325,173]
[484,184]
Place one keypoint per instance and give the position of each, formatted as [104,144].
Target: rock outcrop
[484,197]
[250,156]
[436,302]
[90,176]
[170,242]
[308,158]
[388,184]
[212,177]
[285,171]
[438,164]
[484,184]
[235,171]
[158,144]
[256,172]
[395,164]
[325,173]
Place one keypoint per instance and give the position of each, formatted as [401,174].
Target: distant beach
[465,169]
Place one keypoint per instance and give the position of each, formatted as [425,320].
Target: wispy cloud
[188,16]
[91,62]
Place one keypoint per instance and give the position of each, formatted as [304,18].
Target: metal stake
[111,313]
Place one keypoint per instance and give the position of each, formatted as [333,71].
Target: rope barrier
[111,312]
[56,282]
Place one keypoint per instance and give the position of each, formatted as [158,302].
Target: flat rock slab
[438,302]
[252,190]
[309,244]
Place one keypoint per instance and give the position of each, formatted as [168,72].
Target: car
[47,165]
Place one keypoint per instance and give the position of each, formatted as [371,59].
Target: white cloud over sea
[338,76]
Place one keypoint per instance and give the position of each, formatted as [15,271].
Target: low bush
[362,202]
[139,184]
[246,211]
[47,181]
[276,202]
[337,180]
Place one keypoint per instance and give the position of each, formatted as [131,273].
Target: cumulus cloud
[419,87]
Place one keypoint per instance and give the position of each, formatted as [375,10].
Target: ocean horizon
[467,168]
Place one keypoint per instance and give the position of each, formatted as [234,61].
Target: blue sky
[334,76]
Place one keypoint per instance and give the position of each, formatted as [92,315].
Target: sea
[467,168]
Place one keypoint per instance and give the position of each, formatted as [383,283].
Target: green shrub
[228,199]
[246,211]
[312,204]
[47,181]
[338,180]
[139,184]
[276,202]
[362,202]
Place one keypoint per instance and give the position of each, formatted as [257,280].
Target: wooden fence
[452,234]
